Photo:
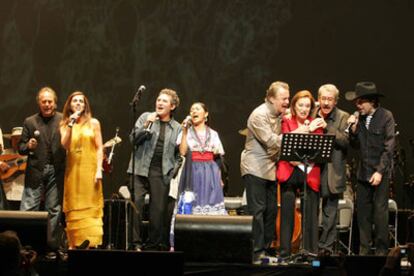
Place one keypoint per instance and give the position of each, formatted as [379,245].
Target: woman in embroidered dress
[83,196]
[202,145]
[290,176]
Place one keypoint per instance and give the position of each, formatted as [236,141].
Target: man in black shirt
[373,135]
[156,159]
[45,165]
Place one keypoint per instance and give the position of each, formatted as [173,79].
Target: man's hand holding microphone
[352,122]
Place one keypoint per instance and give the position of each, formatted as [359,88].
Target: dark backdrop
[224,53]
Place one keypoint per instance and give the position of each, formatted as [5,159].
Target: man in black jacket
[373,134]
[45,164]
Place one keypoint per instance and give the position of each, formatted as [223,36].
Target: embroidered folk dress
[205,173]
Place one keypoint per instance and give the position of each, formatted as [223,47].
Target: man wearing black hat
[373,134]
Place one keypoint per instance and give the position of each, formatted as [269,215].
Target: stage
[119,262]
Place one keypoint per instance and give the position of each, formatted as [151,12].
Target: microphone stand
[133,104]
[110,244]
[304,255]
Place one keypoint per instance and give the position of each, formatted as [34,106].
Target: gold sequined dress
[83,197]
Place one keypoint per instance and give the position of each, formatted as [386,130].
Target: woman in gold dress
[83,196]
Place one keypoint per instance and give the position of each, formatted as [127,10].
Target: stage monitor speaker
[32,227]
[205,238]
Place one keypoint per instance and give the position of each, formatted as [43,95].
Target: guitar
[16,162]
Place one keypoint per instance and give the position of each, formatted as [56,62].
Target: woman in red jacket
[290,176]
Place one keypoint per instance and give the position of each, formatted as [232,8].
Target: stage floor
[119,262]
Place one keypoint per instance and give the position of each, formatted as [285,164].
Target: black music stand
[306,148]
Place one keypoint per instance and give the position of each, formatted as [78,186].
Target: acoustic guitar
[16,162]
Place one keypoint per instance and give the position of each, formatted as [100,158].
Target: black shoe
[136,247]
[257,257]
[83,245]
[150,247]
[51,255]
[63,255]
[324,252]
[271,252]
[163,247]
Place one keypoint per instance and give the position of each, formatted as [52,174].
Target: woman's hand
[98,175]
[317,123]
[74,118]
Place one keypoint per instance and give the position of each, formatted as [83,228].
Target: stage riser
[95,262]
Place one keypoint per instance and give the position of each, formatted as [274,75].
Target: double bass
[297,229]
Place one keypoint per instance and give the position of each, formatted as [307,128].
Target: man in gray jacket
[333,176]
[156,157]
[258,165]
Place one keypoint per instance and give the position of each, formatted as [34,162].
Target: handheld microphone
[73,120]
[348,128]
[187,121]
[150,123]
[36,135]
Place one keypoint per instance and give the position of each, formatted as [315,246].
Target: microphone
[148,128]
[137,95]
[187,121]
[348,128]
[36,135]
[141,88]
[73,120]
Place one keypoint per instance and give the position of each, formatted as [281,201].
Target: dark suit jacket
[376,144]
[37,161]
[333,176]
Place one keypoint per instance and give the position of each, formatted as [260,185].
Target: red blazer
[284,169]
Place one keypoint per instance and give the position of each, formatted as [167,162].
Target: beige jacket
[262,147]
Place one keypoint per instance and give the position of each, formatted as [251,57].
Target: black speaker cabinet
[214,238]
[31,227]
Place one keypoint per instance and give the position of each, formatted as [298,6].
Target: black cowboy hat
[365,90]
